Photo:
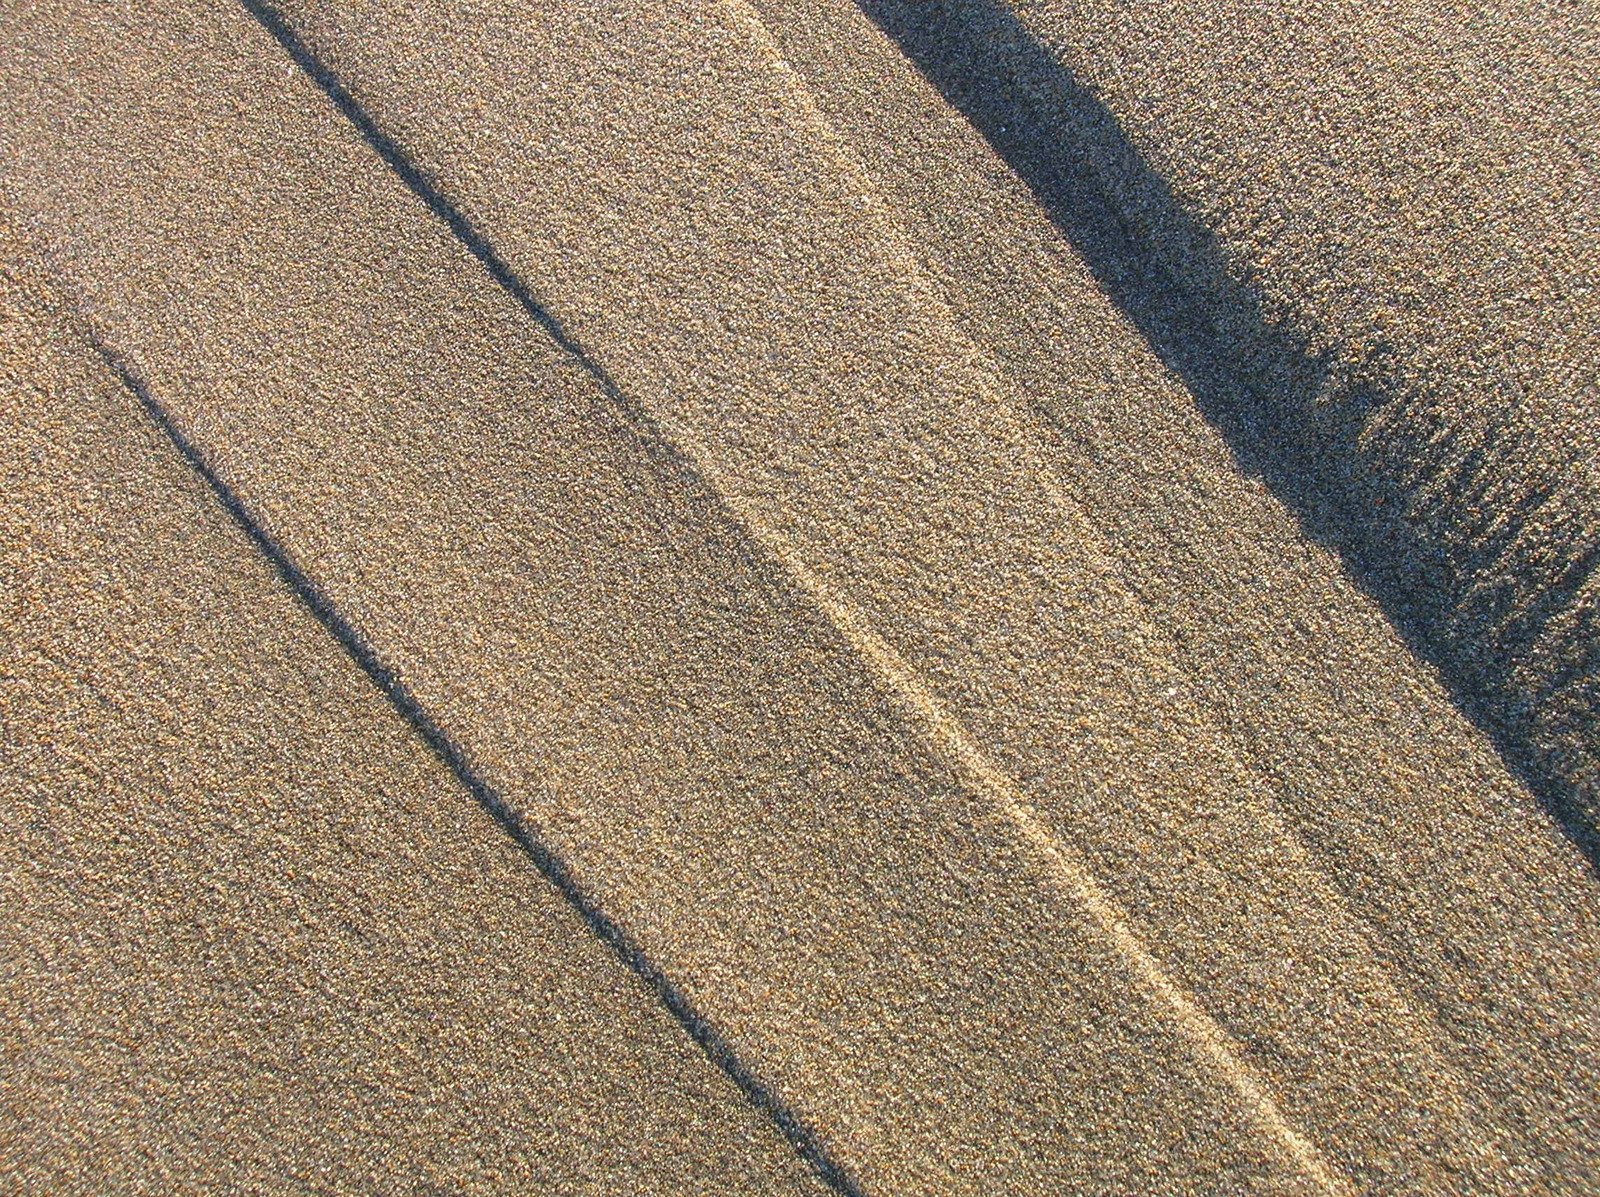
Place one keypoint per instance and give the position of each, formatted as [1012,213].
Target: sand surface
[762,495]
[1365,237]
[257,937]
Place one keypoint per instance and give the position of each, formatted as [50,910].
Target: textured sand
[256,937]
[1404,806]
[1022,796]
[721,773]
[1385,219]
[810,246]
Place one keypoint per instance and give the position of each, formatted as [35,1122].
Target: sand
[1355,735]
[1365,237]
[1026,800]
[257,937]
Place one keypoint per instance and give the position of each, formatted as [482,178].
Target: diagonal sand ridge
[1063,865]
[716,358]
[256,936]
[911,738]
[1446,860]
[720,771]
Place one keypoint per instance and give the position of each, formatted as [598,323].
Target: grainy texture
[1407,809]
[1365,234]
[757,297]
[256,937]
[770,501]
[880,942]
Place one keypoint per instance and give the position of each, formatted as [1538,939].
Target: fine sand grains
[256,936]
[1402,802]
[612,653]
[754,486]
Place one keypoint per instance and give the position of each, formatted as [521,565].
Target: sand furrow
[938,531]
[695,566]
[256,937]
[616,938]
[713,761]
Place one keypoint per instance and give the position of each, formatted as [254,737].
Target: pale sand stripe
[948,736]
[980,769]
[1417,766]
[1062,863]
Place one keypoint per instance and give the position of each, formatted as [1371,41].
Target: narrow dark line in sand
[656,442]
[710,1040]
[761,547]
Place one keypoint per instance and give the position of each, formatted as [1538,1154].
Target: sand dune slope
[1365,236]
[1407,808]
[609,648]
[759,497]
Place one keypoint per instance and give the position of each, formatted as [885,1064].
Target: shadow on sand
[1416,506]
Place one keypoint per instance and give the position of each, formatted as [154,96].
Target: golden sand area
[764,596]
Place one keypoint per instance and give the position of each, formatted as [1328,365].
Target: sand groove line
[989,778]
[1066,868]
[1192,1023]
[717,1049]
[899,245]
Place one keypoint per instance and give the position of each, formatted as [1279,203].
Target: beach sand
[730,472]
[257,936]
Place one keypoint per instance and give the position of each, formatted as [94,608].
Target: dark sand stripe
[716,1047]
